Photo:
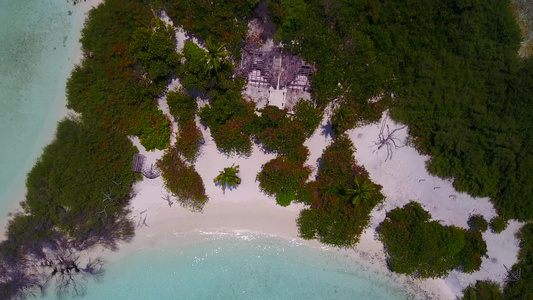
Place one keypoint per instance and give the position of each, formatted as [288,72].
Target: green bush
[154,130]
[224,20]
[154,51]
[478,222]
[483,290]
[182,106]
[231,139]
[307,115]
[183,180]
[283,178]
[228,116]
[83,171]
[416,245]
[188,140]
[498,224]
[279,134]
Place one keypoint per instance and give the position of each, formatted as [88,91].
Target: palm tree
[361,192]
[228,177]
[341,119]
[215,56]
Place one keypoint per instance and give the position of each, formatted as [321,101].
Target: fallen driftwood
[389,140]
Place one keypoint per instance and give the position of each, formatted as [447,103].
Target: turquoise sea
[38,40]
[231,267]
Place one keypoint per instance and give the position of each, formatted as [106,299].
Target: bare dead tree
[388,140]
[167,197]
[512,276]
[142,221]
[71,277]
[108,196]
[103,211]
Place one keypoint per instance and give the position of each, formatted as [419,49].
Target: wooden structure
[138,162]
[138,167]
[274,68]
[512,276]
[151,172]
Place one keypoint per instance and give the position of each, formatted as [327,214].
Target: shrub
[154,130]
[182,106]
[154,51]
[416,245]
[284,179]
[188,140]
[483,290]
[522,289]
[183,180]
[279,134]
[230,138]
[478,222]
[498,224]
[307,115]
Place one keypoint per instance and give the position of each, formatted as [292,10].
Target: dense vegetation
[209,72]
[278,133]
[182,106]
[189,137]
[307,115]
[483,290]
[340,199]
[129,68]
[225,21]
[416,245]
[448,69]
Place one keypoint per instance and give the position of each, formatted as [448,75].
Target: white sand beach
[247,209]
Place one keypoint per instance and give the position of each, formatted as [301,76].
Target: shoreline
[55,114]
[244,210]
[247,210]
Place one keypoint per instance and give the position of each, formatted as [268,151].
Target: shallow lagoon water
[231,267]
[38,40]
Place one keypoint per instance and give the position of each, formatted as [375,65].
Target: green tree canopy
[283,178]
[333,216]
[416,245]
[483,290]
